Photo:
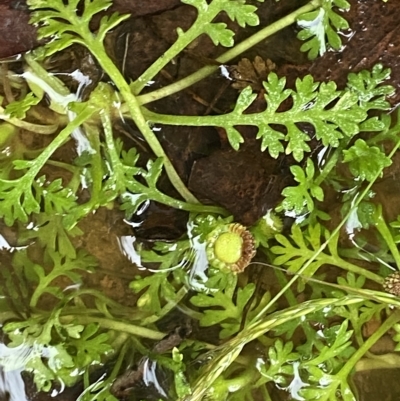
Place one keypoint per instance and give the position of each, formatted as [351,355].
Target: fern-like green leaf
[320,27]
[62,23]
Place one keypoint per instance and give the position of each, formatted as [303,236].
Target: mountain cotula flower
[230,247]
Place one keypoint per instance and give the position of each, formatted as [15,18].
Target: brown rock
[16,34]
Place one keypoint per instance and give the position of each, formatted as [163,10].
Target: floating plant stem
[36,128]
[112,324]
[366,346]
[136,114]
[387,236]
[222,357]
[152,193]
[229,55]
[205,16]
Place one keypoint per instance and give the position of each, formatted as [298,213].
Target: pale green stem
[7,316]
[117,366]
[229,55]
[97,49]
[97,395]
[64,166]
[116,325]
[235,118]
[97,167]
[96,179]
[384,230]
[331,163]
[233,385]
[36,128]
[384,328]
[103,298]
[339,262]
[222,357]
[320,250]
[184,39]
[50,79]
[167,308]
[41,160]
[151,193]
[265,393]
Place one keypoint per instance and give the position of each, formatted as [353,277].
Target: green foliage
[14,290]
[44,277]
[335,115]
[82,327]
[300,248]
[227,304]
[61,22]
[18,108]
[365,162]
[321,356]
[279,367]
[237,10]
[310,105]
[369,89]
[157,288]
[18,195]
[219,34]
[222,308]
[57,202]
[89,346]
[326,365]
[136,193]
[300,198]
[320,27]
[357,314]
[177,366]
[17,199]
[52,234]
[55,349]
[173,262]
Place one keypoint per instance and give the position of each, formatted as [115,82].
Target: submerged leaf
[300,198]
[365,162]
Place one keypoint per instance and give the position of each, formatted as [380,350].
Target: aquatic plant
[84,328]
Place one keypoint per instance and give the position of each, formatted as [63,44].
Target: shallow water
[145,326]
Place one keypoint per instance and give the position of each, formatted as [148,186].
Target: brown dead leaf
[247,73]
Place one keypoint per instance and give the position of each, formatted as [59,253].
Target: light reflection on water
[12,387]
[197,275]
[297,384]
[194,261]
[150,376]
[6,246]
[12,362]
[127,247]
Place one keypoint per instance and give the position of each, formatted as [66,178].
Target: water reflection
[12,387]
[12,363]
[297,384]
[127,247]
[150,376]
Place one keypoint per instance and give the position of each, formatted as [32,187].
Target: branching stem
[229,55]
[136,114]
